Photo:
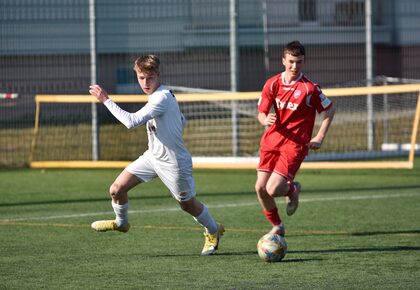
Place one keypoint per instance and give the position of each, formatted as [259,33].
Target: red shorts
[285,161]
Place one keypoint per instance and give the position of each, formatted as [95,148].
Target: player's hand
[270,119]
[98,93]
[315,143]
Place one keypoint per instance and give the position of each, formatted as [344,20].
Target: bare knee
[117,191]
[271,189]
[261,190]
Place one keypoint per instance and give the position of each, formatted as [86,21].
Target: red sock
[273,216]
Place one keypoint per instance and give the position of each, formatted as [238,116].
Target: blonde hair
[147,64]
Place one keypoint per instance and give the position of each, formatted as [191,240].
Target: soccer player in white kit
[166,156]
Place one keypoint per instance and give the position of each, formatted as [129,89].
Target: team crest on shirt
[297,93]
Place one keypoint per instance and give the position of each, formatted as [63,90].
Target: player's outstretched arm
[316,141]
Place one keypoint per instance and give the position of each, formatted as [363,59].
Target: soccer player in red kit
[288,106]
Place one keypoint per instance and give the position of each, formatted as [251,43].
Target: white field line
[227,205]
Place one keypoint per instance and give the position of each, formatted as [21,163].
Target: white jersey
[165,125]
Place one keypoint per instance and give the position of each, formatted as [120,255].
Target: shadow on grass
[254,253]
[290,254]
[45,202]
[401,232]
[135,196]
[371,233]
[289,257]
[243,253]
[358,250]
[106,199]
[235,254]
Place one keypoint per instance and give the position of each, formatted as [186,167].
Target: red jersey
[295,105]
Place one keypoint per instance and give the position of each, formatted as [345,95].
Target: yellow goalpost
[228,98]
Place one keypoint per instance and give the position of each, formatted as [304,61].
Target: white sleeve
[131,120]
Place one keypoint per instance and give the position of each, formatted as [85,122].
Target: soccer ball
[272,247]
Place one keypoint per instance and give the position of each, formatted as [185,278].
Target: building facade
[45,44]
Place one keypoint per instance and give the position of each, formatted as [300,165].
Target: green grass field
[354,230]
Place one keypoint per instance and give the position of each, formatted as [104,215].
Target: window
[351,12]
[307,10]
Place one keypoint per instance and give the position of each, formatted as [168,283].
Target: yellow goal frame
[228,96]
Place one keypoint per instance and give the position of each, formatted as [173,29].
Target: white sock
[207,221]
[121,213]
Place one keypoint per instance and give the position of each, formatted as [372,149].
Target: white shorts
[177,178]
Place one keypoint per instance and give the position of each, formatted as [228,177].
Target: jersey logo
[289,105]
[297,93]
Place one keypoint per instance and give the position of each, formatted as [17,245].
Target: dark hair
[294,48]
[147,63]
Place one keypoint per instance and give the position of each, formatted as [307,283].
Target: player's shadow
[320,190]
[133,196]
[291,253]
[357,250]
[374,233]
[241,253]
[370,233]
[233,254]
[44,202]
[255,254]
